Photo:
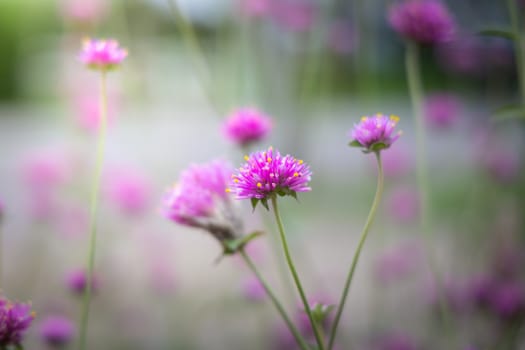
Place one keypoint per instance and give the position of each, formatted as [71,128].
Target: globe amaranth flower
[423,21]
[57,331]
[15,319]
[200,200]
[103,55]
[268,173]
[246,126]
[375,133]
[76,282]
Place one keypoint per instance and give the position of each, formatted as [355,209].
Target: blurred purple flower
[402,204]
[295,15]
[200,200]
[82,10]
[57,331]
[72,220]
[342,38]
[256,8]
[267,173]
[102,54]
[397,262]
[76,282]
[423,21]
[507,300]
[15,319]
[253,290]
[479,289]
[502,164]
[376,132]
[442,109]
[246,126]
[128,190]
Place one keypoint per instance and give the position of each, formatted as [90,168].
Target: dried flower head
[103,55]
[246,126]
[267,173]
[375,133]
[15,319]
[199,200]
[423,21]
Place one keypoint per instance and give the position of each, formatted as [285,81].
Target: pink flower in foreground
[200,200]
[375,133]
[267,173]
[15,319]
[102,54]
[246,126]
[423,21]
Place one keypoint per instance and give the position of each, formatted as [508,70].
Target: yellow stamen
[394,118]
[236,180]
[363,119]
[295,174]
[300,161]
[227,190]
[259,185]
[268,159]
[246,158]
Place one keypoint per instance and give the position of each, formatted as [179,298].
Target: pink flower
[403,204]
[246,126]
[375,133]
[342,38]
[256,8]
[76,282]
[442,109]
[87,110]
[83,10]
[129,191]
[423,21]
[102,54]
[200,200]
[267,173]
[295,15]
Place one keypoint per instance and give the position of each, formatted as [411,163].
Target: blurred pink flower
[342,38]
[502,164]
[397,162]
[128,190]
[72,220]
[253,290]
[398,262]
[83,10]
[101,54]
[87,110]
[295,15]
[442,109]
[402,204]
[76,282]
[246,126]
[256,8]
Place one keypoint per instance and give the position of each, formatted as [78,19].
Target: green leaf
[264,202]
[294,195]
[232,246]
[512,111]
[378,146]
[254,202]
[499,33]
[355,143]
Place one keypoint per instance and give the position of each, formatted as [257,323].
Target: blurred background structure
[315,67]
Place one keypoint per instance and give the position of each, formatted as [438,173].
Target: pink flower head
[246,126]
[295,15]
[423,21]
[442,109]
[375,133]
[256,8]
[102,54]
[76,282]
[267,173]
[128,191]
[15,319]
[199,199]
[57,331]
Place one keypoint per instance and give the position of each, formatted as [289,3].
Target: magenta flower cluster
[102,55]
[57,331]
[375,133]
[423,21]
[246,126]
[268,173]
[15,319]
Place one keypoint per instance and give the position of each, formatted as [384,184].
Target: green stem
[364,234]
[415,86]
[298,284]
[94,209]
[519,43]
[300,340]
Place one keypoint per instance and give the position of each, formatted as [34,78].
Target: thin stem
[300,340]
[364,234]
[298,284]
[415,86]
[94,209]
[519,43]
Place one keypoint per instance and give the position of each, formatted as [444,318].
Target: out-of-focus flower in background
[256,8]
[402,204]
[246,126]
[295,15]
[443,110]
[128,190]
[253,290]
[342,38]
[83,11]
[76,282]
[425,21]
[57,331]
[398,262]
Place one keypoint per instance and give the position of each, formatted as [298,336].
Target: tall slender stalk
[295,276]
[94,210]
[415,86]
[364,234]
[519,45]
[298,337]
